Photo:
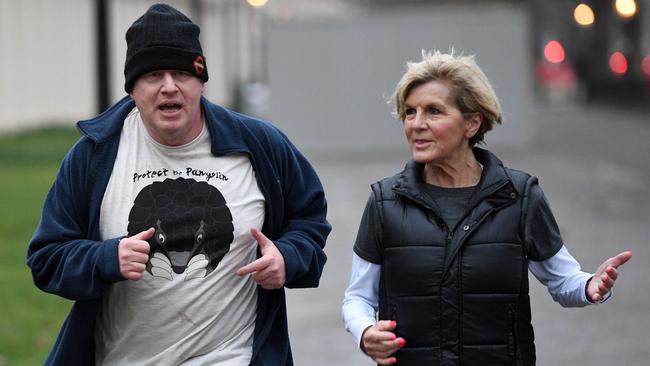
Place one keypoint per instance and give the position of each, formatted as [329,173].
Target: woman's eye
[434,110]
[409,111]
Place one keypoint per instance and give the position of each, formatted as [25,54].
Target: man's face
[169,102]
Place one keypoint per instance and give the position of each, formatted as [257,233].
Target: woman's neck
[462,172]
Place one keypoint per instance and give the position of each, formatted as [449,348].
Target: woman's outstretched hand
[379,342]
[606,274]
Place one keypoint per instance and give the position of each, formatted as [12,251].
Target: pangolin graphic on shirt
[193,225]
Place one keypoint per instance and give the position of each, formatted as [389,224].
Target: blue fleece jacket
[68,258]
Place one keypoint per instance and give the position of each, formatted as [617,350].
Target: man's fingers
[136,267]
[144,235]
[133,276]
[140,247]
[254,266]
[261,239]
[268,270]
[129,248]
[136,257]
[620,259]
[132,270]
[133,254]
[261,276]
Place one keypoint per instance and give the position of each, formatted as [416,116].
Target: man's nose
[169,83]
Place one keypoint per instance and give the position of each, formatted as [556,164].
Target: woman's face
[435,128]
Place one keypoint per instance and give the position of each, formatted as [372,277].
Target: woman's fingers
[379,342]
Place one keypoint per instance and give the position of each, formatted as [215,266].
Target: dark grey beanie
[163,38]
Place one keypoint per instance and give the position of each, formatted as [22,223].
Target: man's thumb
[144,235]
[261,239]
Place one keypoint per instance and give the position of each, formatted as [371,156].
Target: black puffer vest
[459,295]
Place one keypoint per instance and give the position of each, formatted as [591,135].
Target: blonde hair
[472,90]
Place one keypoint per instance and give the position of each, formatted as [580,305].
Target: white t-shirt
[189,307]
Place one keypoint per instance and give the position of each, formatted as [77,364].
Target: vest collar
[495,190]
[411,184]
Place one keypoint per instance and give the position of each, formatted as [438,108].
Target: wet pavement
[594,166]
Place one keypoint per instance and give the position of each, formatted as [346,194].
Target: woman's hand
[606,274]
[379,342]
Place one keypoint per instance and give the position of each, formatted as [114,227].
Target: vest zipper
[512,336]
[393,316]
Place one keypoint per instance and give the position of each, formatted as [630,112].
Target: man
[174,223]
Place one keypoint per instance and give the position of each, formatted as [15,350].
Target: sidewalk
[593,164]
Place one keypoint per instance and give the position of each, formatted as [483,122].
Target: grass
[29,319]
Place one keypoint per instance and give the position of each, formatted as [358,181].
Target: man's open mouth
[169,107]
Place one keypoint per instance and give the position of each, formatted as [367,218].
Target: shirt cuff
[358,326]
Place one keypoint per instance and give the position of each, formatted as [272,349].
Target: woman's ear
[473,124]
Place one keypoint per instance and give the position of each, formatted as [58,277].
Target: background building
[322,70]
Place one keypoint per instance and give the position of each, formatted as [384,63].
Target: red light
[554,52]
[618,63]
[645,65]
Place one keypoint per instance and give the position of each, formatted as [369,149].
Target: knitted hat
[163,38]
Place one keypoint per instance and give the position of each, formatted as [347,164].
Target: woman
[444,246]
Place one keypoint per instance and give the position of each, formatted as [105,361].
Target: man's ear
[473,124]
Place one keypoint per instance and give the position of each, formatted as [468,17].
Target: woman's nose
[418,120]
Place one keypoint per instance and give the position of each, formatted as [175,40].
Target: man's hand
[379,342]
[268,270]
[133,254]
[604,278]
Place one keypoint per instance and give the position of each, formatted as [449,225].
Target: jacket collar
[108,123]
[225,126]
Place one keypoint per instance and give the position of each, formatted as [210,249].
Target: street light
[554,52]
[645,66]
[626,8]
[584,15]
[618,63]
[257,3]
